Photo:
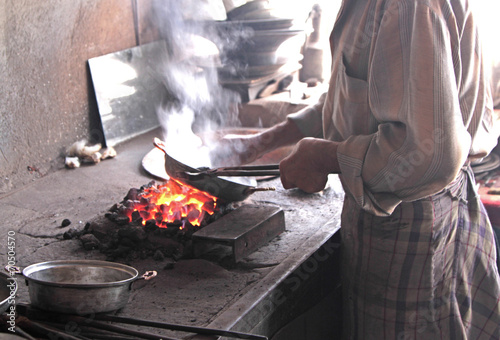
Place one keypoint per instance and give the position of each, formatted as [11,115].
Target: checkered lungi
[428,271]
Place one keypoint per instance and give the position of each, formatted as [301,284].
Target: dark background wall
[47,100]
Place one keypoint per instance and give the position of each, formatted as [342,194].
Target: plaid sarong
[428,271]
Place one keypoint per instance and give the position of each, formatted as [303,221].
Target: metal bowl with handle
[225,189]
[80,286]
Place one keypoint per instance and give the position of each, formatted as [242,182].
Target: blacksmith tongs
[239,171]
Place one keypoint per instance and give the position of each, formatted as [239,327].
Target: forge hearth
[138,226]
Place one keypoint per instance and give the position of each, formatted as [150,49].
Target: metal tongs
[239,171]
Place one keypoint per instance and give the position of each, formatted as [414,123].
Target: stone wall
[47,100]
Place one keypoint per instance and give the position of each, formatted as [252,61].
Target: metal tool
[237,171]
[227,190]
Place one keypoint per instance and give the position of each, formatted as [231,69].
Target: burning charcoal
[146,215]
[164,209]
[158,217]
[144,201]
[71,234]
[65,223]
[89,242]
[175,206]
[177,217]
[133,194]
[136,216]
[122,220]
[209,206]
[115,207]
[193,215]
[131,203]
[125,211]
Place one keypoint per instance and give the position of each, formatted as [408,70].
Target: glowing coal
[169,203]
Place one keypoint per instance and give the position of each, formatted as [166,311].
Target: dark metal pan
[224,189]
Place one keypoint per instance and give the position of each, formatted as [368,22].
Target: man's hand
[309,165]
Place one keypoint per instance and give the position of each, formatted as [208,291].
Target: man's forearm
[282,134]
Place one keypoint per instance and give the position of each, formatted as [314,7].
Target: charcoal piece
[65,223]
[150,226]
[122,220]
[133,194]
[71,234]
[131,203]
[112,216]
[144,201]
[149,185]
[170,230]
[125,211]
[133,233]
[146,215]
[135,216]
[89,242]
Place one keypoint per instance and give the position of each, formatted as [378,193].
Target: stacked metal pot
[256,31]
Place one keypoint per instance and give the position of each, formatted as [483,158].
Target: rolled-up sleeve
[309,119]
[422,105]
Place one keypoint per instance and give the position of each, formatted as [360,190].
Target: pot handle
[14,270]
[11,269]
[148,275]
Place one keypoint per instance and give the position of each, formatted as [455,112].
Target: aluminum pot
[80,286]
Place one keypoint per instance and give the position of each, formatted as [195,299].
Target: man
[408,109]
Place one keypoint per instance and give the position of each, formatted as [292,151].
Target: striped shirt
[409,99]
[410,104]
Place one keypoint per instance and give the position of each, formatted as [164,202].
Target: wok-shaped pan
[224,189]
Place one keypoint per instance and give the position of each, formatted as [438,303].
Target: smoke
[195,102]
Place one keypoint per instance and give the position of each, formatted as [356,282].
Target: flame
[173,202]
